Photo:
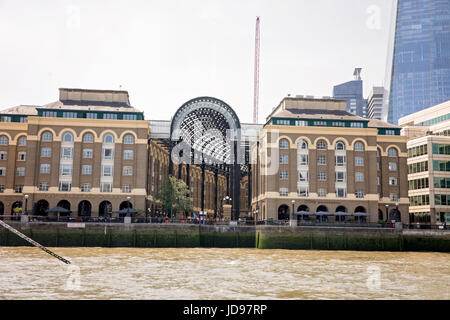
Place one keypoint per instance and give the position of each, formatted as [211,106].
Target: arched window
[4,140]
[340,145]
[128,139]
[321,145]
[284,144]
[392,152]
[22,141]
[47,136]
[359,146]
[302,145]
[88,138]
[67,137]
[108,138]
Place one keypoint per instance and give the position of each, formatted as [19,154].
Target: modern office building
[313,158]
[352,92]
[428,132]
[418,73]
[375,103]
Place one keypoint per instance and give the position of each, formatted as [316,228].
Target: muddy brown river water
[130,273]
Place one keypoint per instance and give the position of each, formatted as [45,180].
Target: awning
[58,210]
[361,214]
[126,210]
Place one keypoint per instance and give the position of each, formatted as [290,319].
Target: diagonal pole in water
[34,243]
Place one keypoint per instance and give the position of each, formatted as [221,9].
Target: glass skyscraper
[419,75]
[352,91]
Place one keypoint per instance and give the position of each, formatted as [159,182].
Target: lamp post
[292,216]
[26,204]
[396,212]
[386,206]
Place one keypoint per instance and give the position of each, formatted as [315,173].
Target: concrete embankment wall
[262,237]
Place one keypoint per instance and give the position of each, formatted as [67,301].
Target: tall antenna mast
[256,83]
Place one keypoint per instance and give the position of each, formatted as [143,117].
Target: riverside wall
[220,236]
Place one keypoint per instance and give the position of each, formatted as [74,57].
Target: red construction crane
[256,83]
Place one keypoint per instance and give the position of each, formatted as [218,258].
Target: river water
[131,273]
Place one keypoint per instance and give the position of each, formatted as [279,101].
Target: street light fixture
[386,206]
[293,203]
[26,204]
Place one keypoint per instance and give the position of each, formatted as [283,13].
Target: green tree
[174,196]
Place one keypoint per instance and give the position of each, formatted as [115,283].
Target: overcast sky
[165,52]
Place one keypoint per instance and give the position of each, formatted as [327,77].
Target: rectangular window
[23,119]
[359,161]
[3,155]
[87,153]
[359,194]
[129,117]
[91,115]
[69,114]
[392,166]
[21,171]
[284,122]
[378,166]
[105,187]
[304,159]
[322,193]
[320,123]
[66,153]
[5,119]
[356,125]
[126,188]
[51,114]
[22,156]
[302,191]
[340,161]
[392,181]
[303,175]
[2,188]
[3,172]
[340,176]
[322,176]
[127,154]
[46,152]
[65,170]
[301,123]
[284,175]
[393,197]
[284,159]
[43,186]
[284,192]
[108,154]
[378,180]
[359,177]
[65,186]
[86,169]
[18,188]
[85,187]
[127,171]
[341,192]
[107,170]
[338,124]
[45,168]
[112,116]
[321,160]
[390,132]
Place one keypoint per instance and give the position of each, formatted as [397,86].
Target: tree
[174,196]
